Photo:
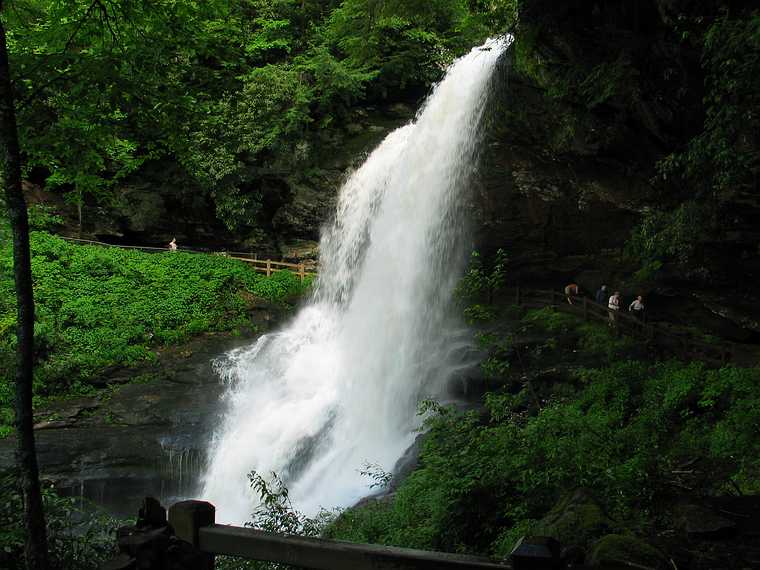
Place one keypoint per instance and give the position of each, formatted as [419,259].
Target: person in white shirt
[637,307]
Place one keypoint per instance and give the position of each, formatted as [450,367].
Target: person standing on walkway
[637,308]
[571,291]
[613,306]
[601,295]
[173,244]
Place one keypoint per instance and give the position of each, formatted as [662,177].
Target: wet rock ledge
[144,434]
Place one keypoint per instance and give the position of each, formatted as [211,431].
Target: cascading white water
[339,386]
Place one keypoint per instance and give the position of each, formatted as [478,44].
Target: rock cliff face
[594,96]
[148,432]
[147,437]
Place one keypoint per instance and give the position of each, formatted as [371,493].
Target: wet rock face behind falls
[568,172]
[144,436]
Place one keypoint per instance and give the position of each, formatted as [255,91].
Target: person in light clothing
[637,308]
[613,306]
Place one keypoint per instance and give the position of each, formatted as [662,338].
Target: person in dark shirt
[601,295]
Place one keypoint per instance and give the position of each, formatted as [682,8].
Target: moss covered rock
[576,520]
[620,551]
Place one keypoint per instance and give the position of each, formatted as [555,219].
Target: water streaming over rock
[339,386]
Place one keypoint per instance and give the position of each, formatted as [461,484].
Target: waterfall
[339,386]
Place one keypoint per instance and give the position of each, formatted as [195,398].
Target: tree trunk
[35,549]
[79,212]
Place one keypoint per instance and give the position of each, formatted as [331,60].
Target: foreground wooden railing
[623,322]
[190,540]
[193,523]
[322,554]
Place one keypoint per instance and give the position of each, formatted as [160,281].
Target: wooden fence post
[301,272]
[187,518]
[269,267]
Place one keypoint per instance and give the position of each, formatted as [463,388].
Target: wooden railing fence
[194,522]
[584,307]
[623,322]
[190,540]
[267,266]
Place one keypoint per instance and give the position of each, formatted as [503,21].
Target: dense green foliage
[721,163]
[220,99]
[275,513]
[718,158]
[723,160]
[79,537]
[620,428]
[480,282]
[99,307]
[671,236]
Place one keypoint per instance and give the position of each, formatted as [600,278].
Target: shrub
[275,513]
[479,282]
[484,482]
[550,320]
[80,537]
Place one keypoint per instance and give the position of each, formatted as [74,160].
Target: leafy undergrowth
[620,427]
[80,536]
[100,307]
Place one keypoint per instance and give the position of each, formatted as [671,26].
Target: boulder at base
[576,520]
[619,551]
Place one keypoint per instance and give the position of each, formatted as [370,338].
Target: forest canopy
[209,97]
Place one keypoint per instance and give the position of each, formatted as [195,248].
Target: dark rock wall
[594,94]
